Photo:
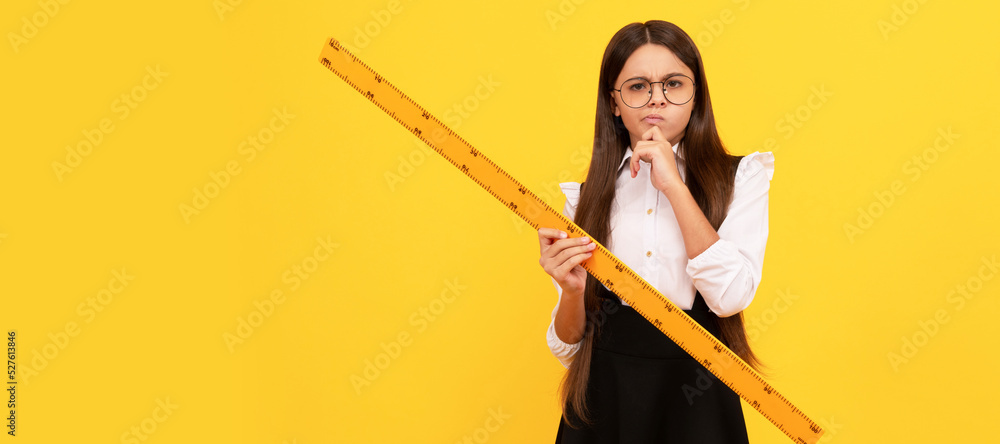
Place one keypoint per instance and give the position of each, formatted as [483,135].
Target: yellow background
[162,338]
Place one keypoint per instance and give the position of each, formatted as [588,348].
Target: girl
[669,201]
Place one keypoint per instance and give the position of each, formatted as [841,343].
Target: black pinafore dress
[644,388]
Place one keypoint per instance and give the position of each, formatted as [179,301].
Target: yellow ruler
[603,265]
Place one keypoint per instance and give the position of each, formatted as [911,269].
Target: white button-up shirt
[645,236]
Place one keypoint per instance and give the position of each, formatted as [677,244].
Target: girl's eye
[674,83]
[638,86]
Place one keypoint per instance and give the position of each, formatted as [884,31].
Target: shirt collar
[628,155]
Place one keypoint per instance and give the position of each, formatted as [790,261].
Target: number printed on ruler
[644,298]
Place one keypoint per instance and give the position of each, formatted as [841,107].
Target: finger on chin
[648,135]
[656,134]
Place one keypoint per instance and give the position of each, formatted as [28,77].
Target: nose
[659,96]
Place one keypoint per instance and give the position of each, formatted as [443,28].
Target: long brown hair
[709,171]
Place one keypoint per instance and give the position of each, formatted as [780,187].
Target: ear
[614,105]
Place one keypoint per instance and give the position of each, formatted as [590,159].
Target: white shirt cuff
[714,271]
[561,350]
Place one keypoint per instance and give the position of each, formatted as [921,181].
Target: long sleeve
[728,272]
[562,350]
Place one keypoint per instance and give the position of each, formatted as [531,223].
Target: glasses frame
[663,87]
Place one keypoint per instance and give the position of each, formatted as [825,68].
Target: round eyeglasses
[637,92]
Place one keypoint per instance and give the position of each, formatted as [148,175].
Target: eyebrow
[662,78]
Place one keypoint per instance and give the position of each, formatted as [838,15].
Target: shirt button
[649,211]
[649,253]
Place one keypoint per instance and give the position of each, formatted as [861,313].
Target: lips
[652,118]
